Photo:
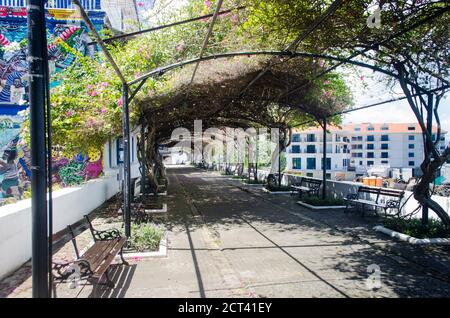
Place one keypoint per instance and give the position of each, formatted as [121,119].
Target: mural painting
[63,25]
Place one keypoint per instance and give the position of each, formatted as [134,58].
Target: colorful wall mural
[63,25]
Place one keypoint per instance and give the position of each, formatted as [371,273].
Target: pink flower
[120,102]
[104,84]
[88,87]
[180,47]
[103,110]
[208,4]
[321,63]
[93,93]
[69,113]
[361,78]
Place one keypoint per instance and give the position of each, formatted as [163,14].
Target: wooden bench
[95,262]
[306,185]
[390,199]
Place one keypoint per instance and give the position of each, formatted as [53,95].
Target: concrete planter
[252,184]
[163,210]
[321,207]
[160,253]
[410,239]
[276,192]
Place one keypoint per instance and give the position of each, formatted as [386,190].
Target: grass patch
[316,201]
[146,237]
[238,177]
[414,228]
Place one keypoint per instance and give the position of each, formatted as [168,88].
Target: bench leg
[109,282]
[124,262]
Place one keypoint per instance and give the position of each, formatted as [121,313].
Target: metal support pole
[143,160]
[37,65]
[324,159]
[279,162]
[257,156]
[126,159]
[428,151]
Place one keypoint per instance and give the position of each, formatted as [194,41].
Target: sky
[368,88]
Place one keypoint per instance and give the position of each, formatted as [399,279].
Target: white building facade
[353,149]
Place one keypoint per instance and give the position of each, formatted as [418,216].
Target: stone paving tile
[226,242]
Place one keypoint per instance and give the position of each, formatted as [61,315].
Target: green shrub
[253,181]
[414,228]
[316,201]
[276,188]
[238,177]
[146,236]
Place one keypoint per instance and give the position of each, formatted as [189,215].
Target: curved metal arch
[162,70]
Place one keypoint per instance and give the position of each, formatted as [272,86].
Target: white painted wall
[339,189]
[69,206]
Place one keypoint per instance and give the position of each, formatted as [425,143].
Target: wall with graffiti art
[65,33]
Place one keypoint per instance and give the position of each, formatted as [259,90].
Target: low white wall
[339,189]
[69,206]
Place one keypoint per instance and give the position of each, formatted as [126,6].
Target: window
[132,149]
[411,137]
[311,163]
[109,154]
[360,163]
[370,138]
[384,162]
[327,165]
[411,146]
[384,146]
[296,138]
[345,162]
[370,155]
[309,174]
[411,154]
[412,128]
[357,146]
[295,149]
[357,138]
[311,137]
[411,163]
[370,147]
[119,151]
[370,163]
[357,129]
[384,155]
[296,163]
[370,128]
[311,149]
[385,128]
[357,155]
[384,137]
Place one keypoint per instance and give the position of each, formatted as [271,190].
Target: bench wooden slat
[109,258]
[98,252]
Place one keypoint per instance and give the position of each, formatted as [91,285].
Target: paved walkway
[231,241]
[228,240]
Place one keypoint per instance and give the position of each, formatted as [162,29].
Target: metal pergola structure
[40,119]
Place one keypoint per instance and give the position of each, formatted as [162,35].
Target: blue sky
[369,88]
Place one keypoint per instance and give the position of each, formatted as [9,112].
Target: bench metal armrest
[106,235]
[392,204]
